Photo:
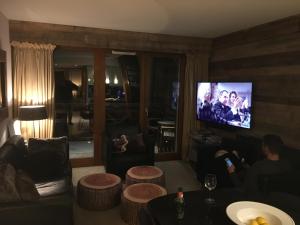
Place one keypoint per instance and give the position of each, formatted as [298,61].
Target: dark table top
[198,212]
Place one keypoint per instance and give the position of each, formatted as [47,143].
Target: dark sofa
[52,176]
[135,155]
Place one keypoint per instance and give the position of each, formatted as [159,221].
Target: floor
[178,174]
[80,137]
[81,149]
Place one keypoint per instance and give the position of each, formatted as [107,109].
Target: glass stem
[209,194]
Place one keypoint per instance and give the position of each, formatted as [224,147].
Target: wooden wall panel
[265,31]
[105,39]
[74,36]
[269,56]
[264,47]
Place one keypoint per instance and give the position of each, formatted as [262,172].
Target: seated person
[222,112]
[272,164]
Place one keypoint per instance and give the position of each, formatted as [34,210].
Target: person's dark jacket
[205,111]
[222,113]
[262,167]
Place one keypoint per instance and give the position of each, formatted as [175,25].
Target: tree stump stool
[135,197]
[145,174]
[99,191]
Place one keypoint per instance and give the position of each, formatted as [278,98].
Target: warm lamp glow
[116,80]
[31,113]
[107,81]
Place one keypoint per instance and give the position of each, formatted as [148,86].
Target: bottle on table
[179,201]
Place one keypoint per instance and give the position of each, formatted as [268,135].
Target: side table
[99,191]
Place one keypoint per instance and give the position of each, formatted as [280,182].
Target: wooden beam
[104,38]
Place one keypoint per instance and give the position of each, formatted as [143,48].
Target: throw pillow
[52,144]
[8,190]
[120,144]
[45,164]
[58,146]
[48,155]
[26,187]
[136,144]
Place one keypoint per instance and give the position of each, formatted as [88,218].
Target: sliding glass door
[143,90]
[162,98]
[122,93]
[74,100]
[140,91]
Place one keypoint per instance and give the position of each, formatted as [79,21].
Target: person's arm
[233,176]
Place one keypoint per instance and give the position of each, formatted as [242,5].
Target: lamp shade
[33,112]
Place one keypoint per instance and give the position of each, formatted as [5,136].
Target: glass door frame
[99,95]
[145,64]
[99,102]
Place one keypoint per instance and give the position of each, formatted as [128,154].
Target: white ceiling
[200,18]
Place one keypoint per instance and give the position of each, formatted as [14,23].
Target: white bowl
[243,212]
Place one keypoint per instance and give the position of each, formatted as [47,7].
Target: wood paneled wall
[74,36]
[268,55]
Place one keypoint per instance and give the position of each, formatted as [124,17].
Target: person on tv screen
[204,110]
[222,112]
[232,98]
[240,104]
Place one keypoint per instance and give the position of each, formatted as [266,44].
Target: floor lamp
[32,113]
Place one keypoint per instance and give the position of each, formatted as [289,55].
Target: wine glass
[210,182]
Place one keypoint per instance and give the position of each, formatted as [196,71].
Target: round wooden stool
[99,191]
[145,174]
[137,196]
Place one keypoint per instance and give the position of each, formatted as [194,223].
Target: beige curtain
[33,84]
[196,70]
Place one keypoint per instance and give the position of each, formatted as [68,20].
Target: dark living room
[120,119]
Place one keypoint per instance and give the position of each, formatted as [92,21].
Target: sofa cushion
[54,187]
[14,151]
[8,190]
[136,143]
[45,165]
[50,156]
[52,144]
[26,187]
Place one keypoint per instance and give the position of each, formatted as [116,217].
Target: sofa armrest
[52,210]
[14,151]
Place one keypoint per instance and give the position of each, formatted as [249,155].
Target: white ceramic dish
[242,212]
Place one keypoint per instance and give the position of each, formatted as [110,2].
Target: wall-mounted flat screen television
[226,103]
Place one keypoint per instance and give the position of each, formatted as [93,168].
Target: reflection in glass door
[163,102]
[122,91]
[74,95]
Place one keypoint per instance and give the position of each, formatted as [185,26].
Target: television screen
[226,103]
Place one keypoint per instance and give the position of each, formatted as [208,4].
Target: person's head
[223,97]
[272,144]
[204,92]
[232,96]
